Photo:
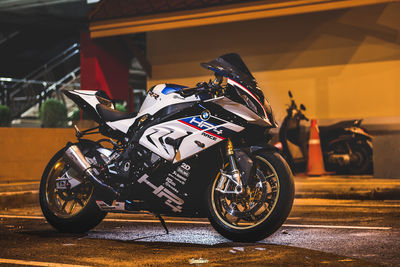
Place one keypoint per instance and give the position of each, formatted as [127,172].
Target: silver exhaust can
[74,156]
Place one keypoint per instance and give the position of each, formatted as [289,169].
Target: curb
[19,199]
[386,194]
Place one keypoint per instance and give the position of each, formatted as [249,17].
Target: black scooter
[346,146]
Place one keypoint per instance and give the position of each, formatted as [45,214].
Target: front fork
[232,176]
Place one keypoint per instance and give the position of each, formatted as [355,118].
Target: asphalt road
[318,232]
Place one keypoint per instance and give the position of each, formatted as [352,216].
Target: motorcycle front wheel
[261,208]
[70,210]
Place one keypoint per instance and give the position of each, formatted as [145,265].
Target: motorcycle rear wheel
[361,153]
[70,211]
[264,206]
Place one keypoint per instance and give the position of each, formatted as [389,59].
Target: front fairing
[243,82]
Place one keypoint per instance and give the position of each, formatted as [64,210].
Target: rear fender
[358,132]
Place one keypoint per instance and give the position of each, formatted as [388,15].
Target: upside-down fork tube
[75,158]
[231,157]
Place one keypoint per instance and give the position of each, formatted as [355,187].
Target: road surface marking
[38,263]
[337,227]
[339,203]
[18,193]
[207,223]
[35,217]
[348,205]
[18,183]
[346,183]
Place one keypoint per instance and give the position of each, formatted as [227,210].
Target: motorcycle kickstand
[162,222]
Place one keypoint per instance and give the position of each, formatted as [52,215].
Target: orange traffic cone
[315,164]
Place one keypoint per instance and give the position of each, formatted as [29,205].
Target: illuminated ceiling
[120,17]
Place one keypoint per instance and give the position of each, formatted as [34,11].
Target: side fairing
[176,189]
[240,110]
[182,138]
[122,125]
[88,96]
[163,95]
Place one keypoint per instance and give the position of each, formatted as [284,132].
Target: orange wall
[340,64]
[26,151]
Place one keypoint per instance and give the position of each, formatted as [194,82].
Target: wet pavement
[335,221]
[318,232]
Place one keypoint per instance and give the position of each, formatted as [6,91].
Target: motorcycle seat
[109,114]
[340,125]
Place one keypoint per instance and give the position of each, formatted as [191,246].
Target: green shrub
[5,116]
[53,113]
[76,115]
[120,107]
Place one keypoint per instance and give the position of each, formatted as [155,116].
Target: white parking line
[38,263]
[337,227]
[350,227]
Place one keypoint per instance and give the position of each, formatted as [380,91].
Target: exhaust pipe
[78,162]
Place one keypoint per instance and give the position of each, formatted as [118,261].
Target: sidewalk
[18,194]
[347,187]
[22,193]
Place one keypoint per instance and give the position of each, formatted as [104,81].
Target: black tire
[275,217]
[85,219]
[361,154]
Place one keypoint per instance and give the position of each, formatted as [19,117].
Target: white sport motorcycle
[189,152]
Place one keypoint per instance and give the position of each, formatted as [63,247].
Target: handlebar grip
[185,92]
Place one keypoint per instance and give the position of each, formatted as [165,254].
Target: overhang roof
[114,9]
[120,17]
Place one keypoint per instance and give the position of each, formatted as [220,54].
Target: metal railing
[59,72]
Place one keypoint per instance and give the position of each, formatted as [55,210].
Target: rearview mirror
[290,94]
[302,107]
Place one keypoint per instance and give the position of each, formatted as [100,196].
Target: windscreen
[232,66]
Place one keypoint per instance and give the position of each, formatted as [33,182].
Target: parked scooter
[346,146]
